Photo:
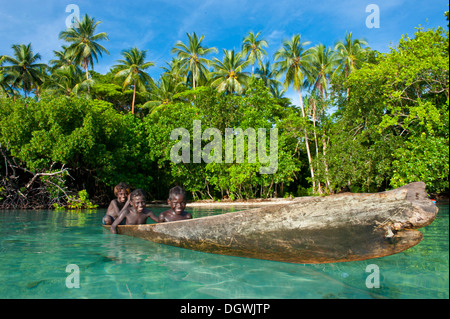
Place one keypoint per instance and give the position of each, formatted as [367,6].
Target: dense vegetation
[367,121]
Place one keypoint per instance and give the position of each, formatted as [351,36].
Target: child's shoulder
[166,212]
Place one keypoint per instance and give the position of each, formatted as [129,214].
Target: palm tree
[132,69]
[252,48]
[292,61]
[5,84]
[228,75]
[5,79]
[84,47]
[322,65]
[62,59]
[163,93]
[268,75]
[68,80]
[191,57]
[174,70]
[277,92]
[350,55]
[23,69]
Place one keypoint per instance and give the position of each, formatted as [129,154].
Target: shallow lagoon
[37,246]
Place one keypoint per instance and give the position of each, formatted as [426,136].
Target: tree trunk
[87,75]
[193,78]
[324,146]
[134,96]
[307,144]
[315,140]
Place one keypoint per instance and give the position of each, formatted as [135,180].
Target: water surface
[37,246]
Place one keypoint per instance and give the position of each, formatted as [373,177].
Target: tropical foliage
[366,121]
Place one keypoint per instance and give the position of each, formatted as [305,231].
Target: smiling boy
[121,191]
[177,203]
[134,211]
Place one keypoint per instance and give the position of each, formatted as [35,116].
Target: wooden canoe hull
[338,228]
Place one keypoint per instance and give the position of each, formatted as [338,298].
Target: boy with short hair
[177,203]
[134,211]
[121,191]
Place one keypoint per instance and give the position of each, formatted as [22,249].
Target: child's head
[121,191]
[177,199]
[137,200]
[177,190]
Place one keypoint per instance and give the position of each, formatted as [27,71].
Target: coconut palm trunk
[306,142]
[134,97]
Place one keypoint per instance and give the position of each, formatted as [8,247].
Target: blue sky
[157,25]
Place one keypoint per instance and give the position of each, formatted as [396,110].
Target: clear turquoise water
[37,246]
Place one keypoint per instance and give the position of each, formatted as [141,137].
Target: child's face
[138,203]
[177,203]
[122,196]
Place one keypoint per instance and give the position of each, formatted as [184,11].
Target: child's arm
[125,207]
[161,217]
[152,216]
[118,220]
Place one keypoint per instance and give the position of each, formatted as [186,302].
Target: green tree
[6,82]
[397,117]
[163,92]
[192,57]
[84,46]
[322,65]
[23,69]
[253,49]
[268,75]
[228,75]
[256,108]
[68,80]
[132,69]
[97,146]
[350,54]
[320,71]
[62,59]
[291,59]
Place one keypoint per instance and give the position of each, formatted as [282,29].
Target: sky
[156,25]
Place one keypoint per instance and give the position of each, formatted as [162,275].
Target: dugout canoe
[337,228]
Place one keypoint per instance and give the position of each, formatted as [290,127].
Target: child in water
[134,211]
[177,203]
[121,191]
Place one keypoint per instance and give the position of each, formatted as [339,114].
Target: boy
[177,203]
[121,191]
[134,211]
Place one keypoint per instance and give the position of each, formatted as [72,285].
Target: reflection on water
[36,248]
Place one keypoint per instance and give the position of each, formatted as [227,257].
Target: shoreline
[255,202]
[252,202]
[440,199]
